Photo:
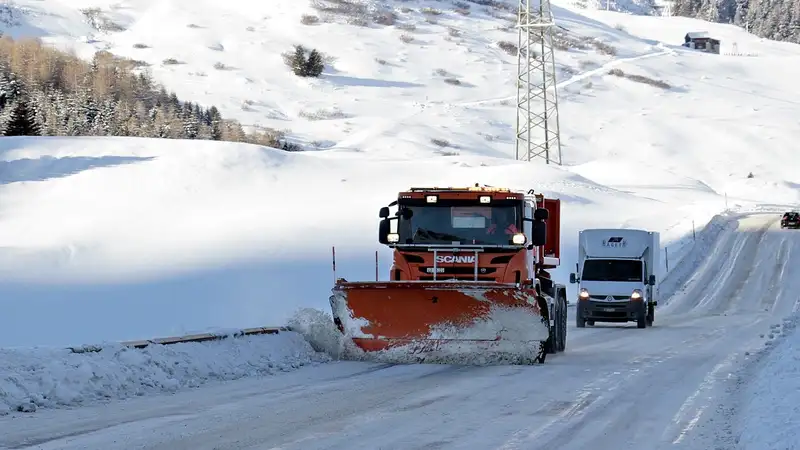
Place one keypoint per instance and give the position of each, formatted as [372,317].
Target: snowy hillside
[108,239]
[227,235]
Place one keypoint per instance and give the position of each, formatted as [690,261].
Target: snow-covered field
[110,239]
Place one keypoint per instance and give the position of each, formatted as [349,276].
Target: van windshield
[612,270]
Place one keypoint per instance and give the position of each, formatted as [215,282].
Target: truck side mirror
[539,233]
[383,232]
[541,214]
[384,212]
[572,278]
[652,280]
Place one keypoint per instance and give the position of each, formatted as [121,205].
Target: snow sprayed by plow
[318,329]
[521,332]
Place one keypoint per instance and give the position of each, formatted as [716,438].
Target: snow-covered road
[616,387]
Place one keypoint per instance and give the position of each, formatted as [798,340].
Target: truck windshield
[466,225]
[612,270]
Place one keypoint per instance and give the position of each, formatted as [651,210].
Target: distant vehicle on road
[790,219]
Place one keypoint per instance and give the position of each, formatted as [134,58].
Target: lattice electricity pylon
[538,133]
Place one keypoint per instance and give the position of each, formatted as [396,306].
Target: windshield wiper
[433,235]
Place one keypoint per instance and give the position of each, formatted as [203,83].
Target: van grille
[615,297]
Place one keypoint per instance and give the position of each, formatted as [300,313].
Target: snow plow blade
[428,320]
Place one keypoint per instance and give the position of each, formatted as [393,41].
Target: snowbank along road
[616,387]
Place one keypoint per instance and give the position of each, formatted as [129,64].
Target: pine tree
[299,61]
[191,124]
[215,122]
[21,121]
[314,66]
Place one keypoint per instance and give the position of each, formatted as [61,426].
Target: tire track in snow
[742,272]
[699,294]
[776,291]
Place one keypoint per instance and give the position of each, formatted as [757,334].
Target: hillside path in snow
[389,124]
[616,387]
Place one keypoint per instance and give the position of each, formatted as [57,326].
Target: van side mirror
[652,280]
[572,278]
[384,212]
[383,232]
[539,233]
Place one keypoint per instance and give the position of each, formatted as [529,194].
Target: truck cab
[617,274]
[471,234]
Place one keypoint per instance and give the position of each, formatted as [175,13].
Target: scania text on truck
[617,275]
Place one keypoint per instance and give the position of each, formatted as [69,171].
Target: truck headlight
[519,239]
[393,237]
[584,294]
[636,295]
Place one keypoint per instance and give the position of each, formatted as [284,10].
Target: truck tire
[558,332]
[551,344]
[562,319]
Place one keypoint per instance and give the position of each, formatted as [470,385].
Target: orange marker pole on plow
[333,252]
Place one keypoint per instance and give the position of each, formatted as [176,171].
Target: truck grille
[445,277]
[458,270]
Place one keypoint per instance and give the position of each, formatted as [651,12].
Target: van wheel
[580,322]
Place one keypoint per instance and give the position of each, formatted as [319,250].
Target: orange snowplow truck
[469,275]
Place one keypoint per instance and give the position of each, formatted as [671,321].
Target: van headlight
[636,295]
[584,294]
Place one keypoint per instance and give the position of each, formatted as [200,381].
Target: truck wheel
[555,330]
[562,319]
[551,344]
[559,325]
